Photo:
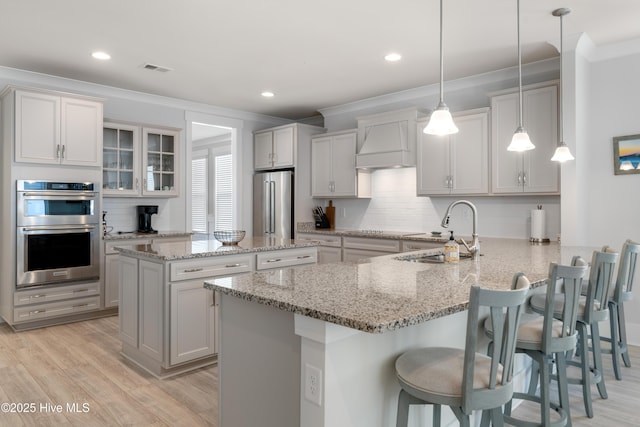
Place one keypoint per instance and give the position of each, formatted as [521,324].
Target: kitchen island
[167,318]
[316,346]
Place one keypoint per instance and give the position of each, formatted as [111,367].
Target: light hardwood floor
[80,363]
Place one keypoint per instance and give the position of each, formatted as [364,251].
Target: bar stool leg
[597,360]
[584,365]
[563,385]
[614,320]
[623,336]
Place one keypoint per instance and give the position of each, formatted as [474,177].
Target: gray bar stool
[620,294]
[464,379]
[546,340]
[592,308]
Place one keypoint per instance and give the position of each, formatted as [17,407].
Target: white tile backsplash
[122,216]
[394,206]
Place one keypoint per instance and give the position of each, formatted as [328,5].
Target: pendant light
[520,140]
[562,153]
[441,122]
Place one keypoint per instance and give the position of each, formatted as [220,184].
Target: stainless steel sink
[431,258]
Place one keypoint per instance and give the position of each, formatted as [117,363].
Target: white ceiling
[312,54]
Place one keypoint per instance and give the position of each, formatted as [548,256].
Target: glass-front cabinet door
[120,160]
[160,162]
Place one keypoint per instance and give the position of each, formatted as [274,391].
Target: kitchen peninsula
[167,318]
[316,346]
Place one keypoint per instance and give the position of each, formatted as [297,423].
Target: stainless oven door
[55,254]
[56,208]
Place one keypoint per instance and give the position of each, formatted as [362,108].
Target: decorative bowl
[229,237]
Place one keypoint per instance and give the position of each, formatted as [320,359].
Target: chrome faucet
[474,249]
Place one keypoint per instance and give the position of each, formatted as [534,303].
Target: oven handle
[59,194]
[60,228]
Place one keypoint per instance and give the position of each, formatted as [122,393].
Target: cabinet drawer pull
[37,296]
[412,247]
[81,305]
[232,265]
[193,270]
[80,290]
[274,260]
[37,312]
[304,256]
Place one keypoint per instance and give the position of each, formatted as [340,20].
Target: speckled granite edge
[164,252]
[389,235]
[360,325]
[132,236]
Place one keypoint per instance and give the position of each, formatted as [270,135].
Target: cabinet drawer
[42,295]
[385,245]
[324,239]
[286,258]
[211,267]
[60,308]
[108,246]
[410,245]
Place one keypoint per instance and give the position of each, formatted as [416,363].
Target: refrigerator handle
[267,205]
[272,207]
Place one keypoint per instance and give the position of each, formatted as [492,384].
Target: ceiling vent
[154,67]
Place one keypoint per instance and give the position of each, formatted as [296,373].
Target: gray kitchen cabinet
[150,310]
[458,163]
[192,326]
[275,148]
[56,128]
[333,167]
[111,272]
[128,309]
[48,302]
[330,248]
[414,245]
[529,172]
[355,248]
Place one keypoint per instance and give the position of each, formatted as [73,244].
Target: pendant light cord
[560,89]
[519,71]
[442,59]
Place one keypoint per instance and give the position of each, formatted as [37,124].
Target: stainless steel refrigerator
[273,204]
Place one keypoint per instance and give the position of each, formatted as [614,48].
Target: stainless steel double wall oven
[57,232]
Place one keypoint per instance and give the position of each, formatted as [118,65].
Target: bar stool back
[621,293]
[465,379]
[546,339]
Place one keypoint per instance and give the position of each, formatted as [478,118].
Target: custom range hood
[387,140]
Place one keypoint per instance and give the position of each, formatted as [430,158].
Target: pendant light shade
[441,122]
[520,140]
[562,153]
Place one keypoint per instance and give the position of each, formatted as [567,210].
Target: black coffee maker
[144,218]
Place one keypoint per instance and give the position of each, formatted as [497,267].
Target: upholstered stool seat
[464,379]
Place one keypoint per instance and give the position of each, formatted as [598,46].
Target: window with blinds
[222,195]
[199,195]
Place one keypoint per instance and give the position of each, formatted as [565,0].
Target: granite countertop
[383,294]
[136,235]
[380,234]
[172,251]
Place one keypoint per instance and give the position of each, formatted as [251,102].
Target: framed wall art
[626,154]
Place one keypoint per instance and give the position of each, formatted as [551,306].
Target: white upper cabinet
[121,160]
[531,171]
[53,128]
[333,165]
[458,163]
[140,161]
[274,149]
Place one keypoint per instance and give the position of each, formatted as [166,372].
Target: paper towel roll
[538,224]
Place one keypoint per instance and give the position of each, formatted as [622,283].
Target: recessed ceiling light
[101,55]
[267,94]
[392,57]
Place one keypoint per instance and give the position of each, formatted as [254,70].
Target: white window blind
[199,195]
[223,195]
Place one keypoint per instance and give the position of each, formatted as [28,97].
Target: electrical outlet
[344,212]
[313,384]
